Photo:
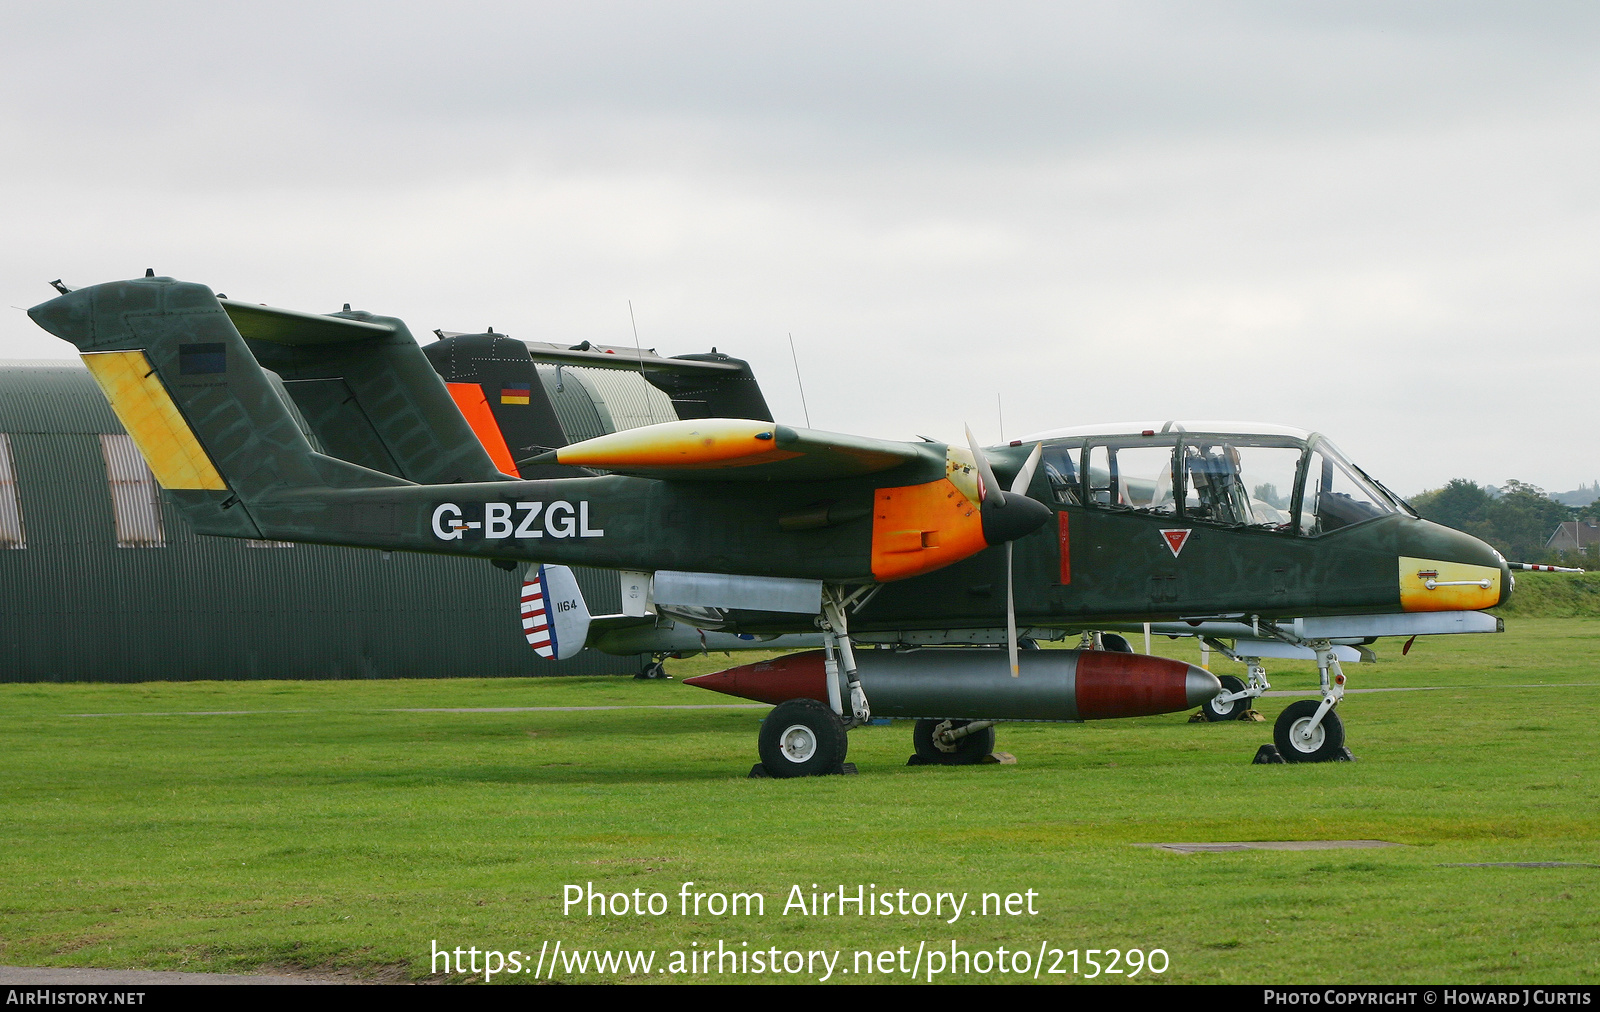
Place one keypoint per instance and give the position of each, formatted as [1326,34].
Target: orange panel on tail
[469,397]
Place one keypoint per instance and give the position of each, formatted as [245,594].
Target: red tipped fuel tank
[975,683]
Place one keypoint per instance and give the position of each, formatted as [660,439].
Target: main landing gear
[657,668]
[952,742]
[806,738]
[802,738]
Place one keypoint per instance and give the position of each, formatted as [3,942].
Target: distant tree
[1517,521]
[1522,520]
[1589,512]
[1460,504]
[1267,492]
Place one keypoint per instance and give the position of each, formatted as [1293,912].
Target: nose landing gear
[1235,701]
[1308,731]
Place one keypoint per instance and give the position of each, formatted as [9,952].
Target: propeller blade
[1024,478]
[991,487]
[1011,614]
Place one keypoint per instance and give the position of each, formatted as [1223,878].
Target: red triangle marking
[1176,540]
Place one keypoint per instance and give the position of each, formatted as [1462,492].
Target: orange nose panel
[919,528]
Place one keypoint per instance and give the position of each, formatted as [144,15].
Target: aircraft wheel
[1326,742]
[1233,709]
[965,751]
[1115,643]
[655,669]
[802,738]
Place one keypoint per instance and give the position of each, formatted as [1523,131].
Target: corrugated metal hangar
[102,581]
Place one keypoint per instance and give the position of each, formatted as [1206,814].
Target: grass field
[327,828]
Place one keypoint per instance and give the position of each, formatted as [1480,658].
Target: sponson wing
[738,449]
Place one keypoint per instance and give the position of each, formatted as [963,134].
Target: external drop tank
[971,683]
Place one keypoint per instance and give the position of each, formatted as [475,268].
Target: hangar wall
[170,605]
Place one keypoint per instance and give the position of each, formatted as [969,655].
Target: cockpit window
[1335,496]
[1267,481]
[1136,477]
[1060,464]
[1229,481]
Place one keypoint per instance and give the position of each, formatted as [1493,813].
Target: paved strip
[727,706]
[537,709]
[435,709]
[1225,848]
[1438,688]
[81,977]
[1522,864]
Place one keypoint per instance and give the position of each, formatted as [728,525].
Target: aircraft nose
[1019,516]
[1467,574]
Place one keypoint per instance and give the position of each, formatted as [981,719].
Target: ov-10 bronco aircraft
[336,429]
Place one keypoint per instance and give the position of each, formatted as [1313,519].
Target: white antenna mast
[798,381]
[639,352]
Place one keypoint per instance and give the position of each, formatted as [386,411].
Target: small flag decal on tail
[535,616]
[515,393]
[1176,540]
[202,359]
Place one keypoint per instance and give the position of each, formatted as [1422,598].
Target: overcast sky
[1380,221]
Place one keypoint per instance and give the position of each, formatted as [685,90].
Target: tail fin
[555,618]
[368,392]
[496,384]
[213,427]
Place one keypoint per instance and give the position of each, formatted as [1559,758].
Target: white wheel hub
[797,743]
[1222,705]
[1306,738]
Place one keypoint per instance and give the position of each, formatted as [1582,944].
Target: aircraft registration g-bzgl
[338,429]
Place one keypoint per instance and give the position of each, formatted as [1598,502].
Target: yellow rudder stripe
[146,410]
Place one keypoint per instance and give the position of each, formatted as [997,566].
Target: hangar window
[135,497]
[253,543]
[11,535]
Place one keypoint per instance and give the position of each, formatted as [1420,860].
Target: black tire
[1326,745]
[802,738]
[1231,710]
[968,750]
[1115,643]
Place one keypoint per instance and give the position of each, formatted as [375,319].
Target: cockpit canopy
[1232,474]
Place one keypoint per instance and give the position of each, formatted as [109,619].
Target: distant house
[1575,535]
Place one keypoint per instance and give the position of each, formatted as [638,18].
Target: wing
[738,449]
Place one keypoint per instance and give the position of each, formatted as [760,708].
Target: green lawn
[326,829]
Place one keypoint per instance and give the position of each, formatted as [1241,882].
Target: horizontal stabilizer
[736,449]
[293,327]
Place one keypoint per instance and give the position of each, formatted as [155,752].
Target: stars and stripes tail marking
[535,615]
